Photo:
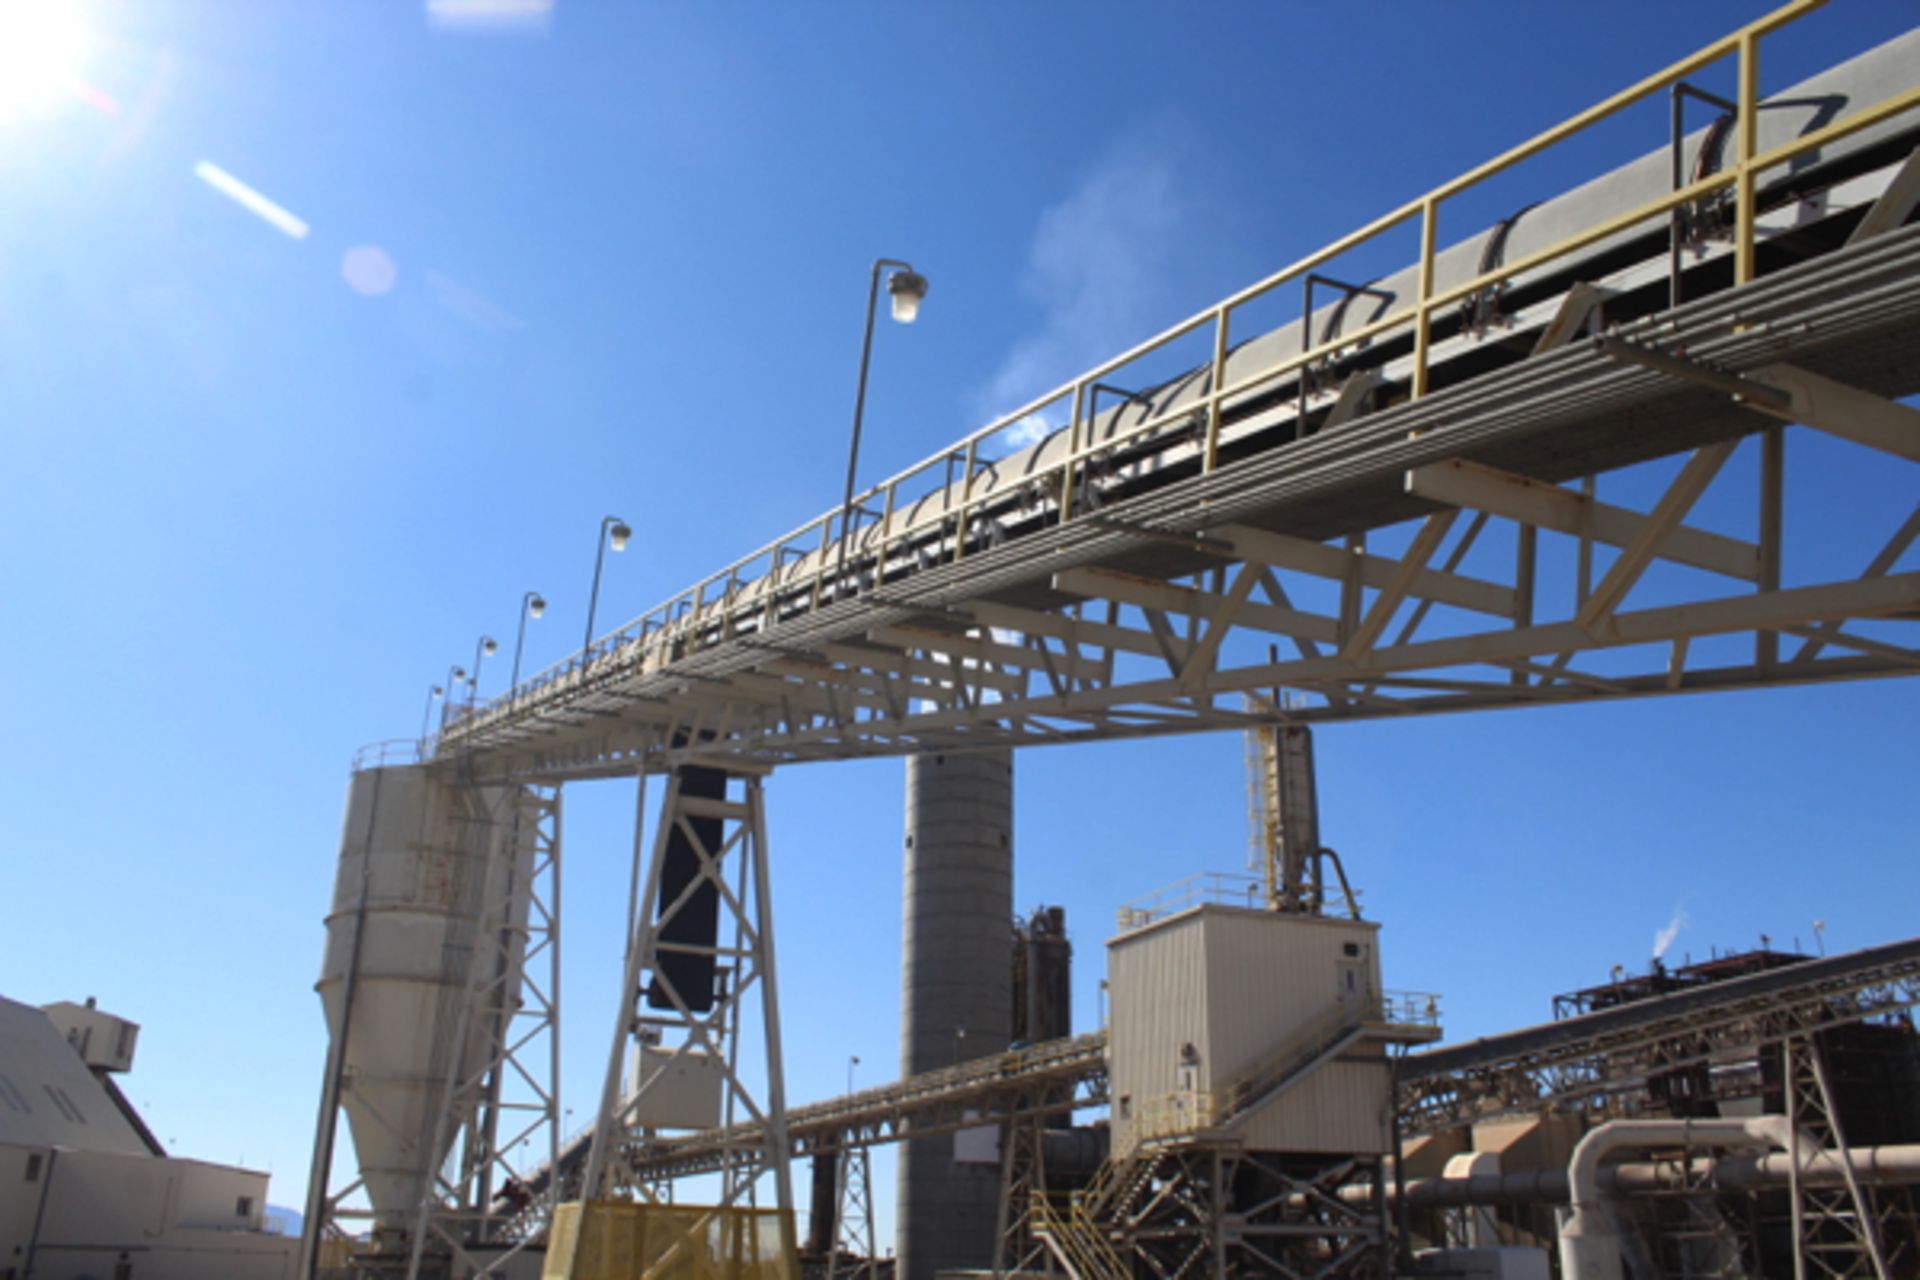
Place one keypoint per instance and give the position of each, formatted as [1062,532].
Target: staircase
[1322,1040]
[1072,1234]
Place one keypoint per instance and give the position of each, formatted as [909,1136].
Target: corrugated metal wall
[1244,988]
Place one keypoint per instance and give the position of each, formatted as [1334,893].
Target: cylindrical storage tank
[956,992]
[432,882]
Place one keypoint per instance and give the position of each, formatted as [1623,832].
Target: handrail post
[820,570]
[966,499]
[1215,403]
[1073,451]
[1743,259]
[886,531]
[1422,320]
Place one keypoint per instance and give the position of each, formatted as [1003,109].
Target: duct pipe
[1589,1243]
[1894,1164]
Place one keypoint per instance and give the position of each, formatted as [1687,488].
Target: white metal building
[86,1193]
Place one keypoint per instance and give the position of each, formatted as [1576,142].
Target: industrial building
[90,1192]
[1188,551]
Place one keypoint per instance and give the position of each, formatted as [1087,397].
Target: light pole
[426,715]
[531,605]
[612,530]
[454,676]
[906,287]
[480,651]
[852,1062]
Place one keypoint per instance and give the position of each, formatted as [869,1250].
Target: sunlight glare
[42,46]
[269,211]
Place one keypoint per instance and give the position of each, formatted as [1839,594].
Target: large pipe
[1894,1164]
[1589,1244]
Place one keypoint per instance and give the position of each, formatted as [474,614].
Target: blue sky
[250,512]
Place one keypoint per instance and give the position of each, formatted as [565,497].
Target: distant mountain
[282,1221]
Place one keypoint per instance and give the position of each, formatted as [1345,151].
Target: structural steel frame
[1407,555]
[969,621]
[1090,651]
[491,1108]
[745,967]
[1599,1061]
[1550,1065]
[858,1256]
[516,1088]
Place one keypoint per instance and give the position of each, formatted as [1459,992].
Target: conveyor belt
[1841,976]
[1831,990]
[983,1091]
[788,656]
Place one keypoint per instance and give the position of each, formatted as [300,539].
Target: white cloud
[497,15]
[1102,267]
[1031,429]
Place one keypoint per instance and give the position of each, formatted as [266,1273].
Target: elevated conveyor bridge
[1551,1066]
[1401,500]
[1639,438]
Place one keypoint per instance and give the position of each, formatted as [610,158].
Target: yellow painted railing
[1067,1221]
[681,616]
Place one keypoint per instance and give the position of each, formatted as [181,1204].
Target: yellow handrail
[687,607]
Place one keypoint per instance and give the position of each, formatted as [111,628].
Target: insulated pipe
[1589,1244]
[1895,1164]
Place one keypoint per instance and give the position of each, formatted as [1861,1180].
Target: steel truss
[1200,1209]
[1018,1245]
[1561,1064]
[1429,556]
[700,1029]
[1837,1231]
[1693,1230]
[1046,1079]
[1606,1062]
[1830,1214]
[856,1256]
[499,1107]
[1042,1080]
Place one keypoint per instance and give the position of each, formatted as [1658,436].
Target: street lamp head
[536,605]
[618,535]
[437,691]
[907,288]
[459,673]
[488,646]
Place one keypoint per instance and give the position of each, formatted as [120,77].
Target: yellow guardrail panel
[622,1240]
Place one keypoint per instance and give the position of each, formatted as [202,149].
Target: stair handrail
[1200,1110]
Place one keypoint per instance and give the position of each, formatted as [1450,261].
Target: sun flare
[43,45]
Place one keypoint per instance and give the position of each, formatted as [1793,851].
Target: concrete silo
[956,992]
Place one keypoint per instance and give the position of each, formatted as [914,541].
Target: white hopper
[428,869]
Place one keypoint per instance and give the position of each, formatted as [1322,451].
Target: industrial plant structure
[86,1190]
[1205,500]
